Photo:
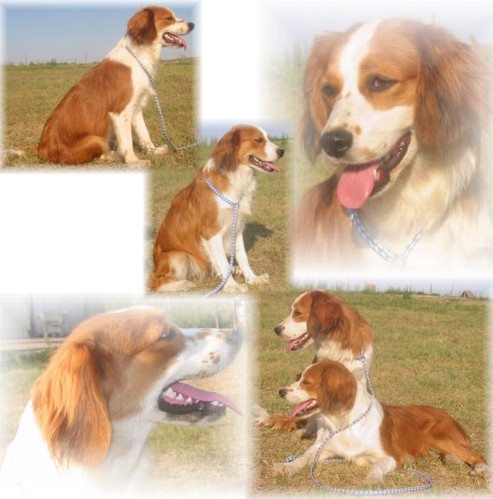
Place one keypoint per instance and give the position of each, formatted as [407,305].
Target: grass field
[427,351]
[32,92]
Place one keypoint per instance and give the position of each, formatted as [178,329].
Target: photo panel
[199,351]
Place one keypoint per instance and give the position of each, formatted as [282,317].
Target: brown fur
[448,86]
[78,395]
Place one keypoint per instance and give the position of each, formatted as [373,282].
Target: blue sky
[77,33]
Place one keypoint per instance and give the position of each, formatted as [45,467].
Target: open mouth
[266,166]
[358,182]
[298,343]
[305,409]
[180,399]
[174,40]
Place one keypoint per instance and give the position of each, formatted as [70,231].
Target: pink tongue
[272,166]
[178,39]
[196,393]
[300,408]
[356,185]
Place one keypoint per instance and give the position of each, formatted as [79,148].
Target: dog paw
[260,414]
[139,163]
[283,469]
[482,470]
[373,479]
[234,287]
[159,151]
[258,280]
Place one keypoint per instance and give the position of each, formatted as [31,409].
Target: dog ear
[317,106]
[225,153]
[337,389]
[141,27]
[453,98]
[69,404]
[326,317]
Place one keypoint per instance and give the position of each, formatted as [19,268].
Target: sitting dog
[195,236]
[384,438]
[108,101]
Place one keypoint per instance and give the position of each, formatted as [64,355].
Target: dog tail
[173,269]
[81,151]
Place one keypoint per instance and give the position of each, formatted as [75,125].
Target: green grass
[266,233]
[32,93]
[430,352]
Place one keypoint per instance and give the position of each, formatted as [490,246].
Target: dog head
[326,387]
[316,316]
[158,25]
[246,145]
[121,365]
[378,92]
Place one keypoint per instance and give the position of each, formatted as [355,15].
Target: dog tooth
[179,397]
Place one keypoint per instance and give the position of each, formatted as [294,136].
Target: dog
[336,330]
[401,129]
[108,101]
[194,238]
[114,378]
[384,438]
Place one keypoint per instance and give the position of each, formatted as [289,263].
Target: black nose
[280,152]
[336,142]
[278,330]
[282,392]
[191,26]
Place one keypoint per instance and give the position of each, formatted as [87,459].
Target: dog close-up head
[326,387]
[316,316]
[370,108]
[246,145]
[123,365]
[158,25]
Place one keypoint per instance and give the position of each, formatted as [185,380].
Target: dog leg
[143,137]
[243,263]
[305,459]
[123,133]
[215,250]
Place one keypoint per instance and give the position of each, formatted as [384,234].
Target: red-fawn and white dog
[108,101]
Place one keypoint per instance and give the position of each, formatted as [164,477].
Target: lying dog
[383,439]
[195,237]
[336,330]
[112,380]
[108,101]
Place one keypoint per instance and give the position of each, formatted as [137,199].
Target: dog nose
[336,142]
[191,26]
[280,152]
[278,330]
[282,392]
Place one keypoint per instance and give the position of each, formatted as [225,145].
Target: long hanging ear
[326,316]
[316,109]
[452,90]
[141,27]
[225,153]
[337,390]
[69,404]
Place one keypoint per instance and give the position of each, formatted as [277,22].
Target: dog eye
[329,90]
[259,140]
[170,18]
[379,83]
[168,335]
[296,313]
